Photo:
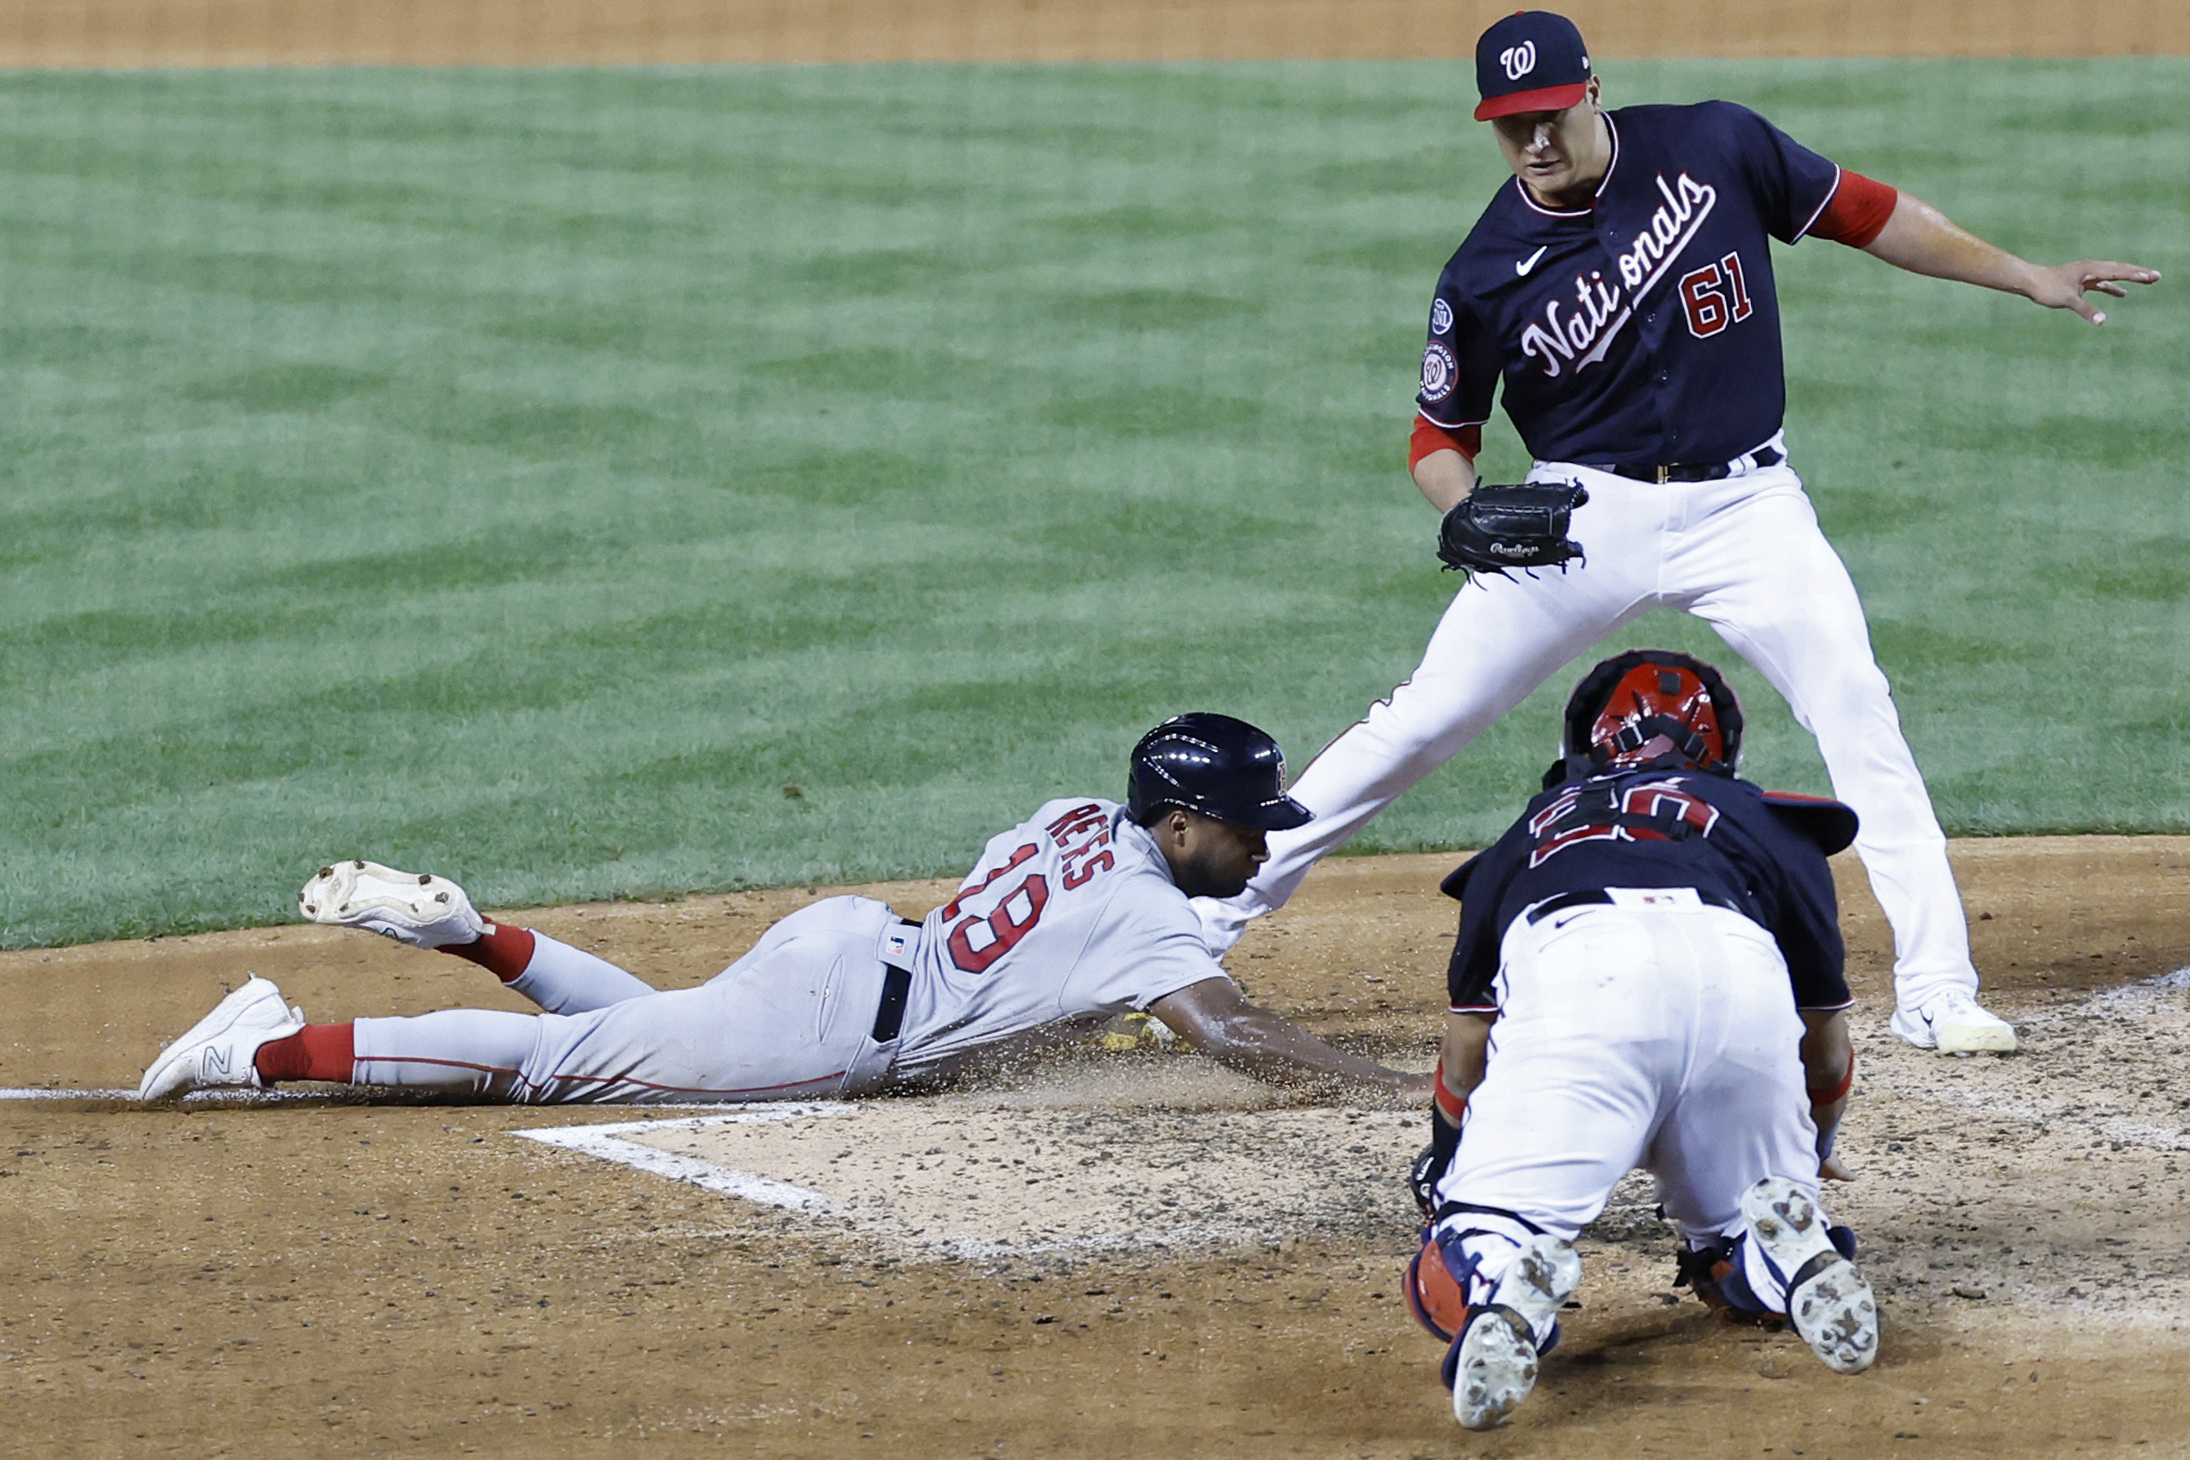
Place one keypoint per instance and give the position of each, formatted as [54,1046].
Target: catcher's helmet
[1651,708]
[1216,765]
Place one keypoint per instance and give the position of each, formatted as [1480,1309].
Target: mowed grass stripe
[595,483]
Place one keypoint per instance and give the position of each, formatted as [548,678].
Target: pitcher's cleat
[417,908]
[1954,1023]
[1828,1301]
[219,1050]
[1493,1362]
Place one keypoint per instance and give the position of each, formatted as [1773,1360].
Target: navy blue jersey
[1643,330]
[1720,836]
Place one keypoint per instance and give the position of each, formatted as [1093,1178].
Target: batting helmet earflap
[1216,765]
[1651,708]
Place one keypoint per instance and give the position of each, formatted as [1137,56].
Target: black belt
[1686,472]
[1593,897]
[889,1015]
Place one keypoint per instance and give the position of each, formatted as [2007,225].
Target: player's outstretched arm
[1213,1018]
[1923,240]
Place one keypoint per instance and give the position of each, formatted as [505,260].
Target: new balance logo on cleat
[222,1048]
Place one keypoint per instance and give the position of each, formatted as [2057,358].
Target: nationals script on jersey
[1070,915]
[1645,328]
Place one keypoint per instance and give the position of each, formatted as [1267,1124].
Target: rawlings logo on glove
[1499,527]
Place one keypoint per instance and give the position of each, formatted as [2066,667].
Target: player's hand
[1830,1169]
[2064,285]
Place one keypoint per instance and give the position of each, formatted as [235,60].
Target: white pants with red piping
[792,1019]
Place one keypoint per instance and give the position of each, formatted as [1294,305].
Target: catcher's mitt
[1500,527]
[1422,1176]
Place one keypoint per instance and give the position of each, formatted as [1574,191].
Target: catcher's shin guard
[1434,1296]
[1492,1366]
[1444,1282]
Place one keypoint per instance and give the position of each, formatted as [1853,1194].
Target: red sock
[504,952]
[315,1052]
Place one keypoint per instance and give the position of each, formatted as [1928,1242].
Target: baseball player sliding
[1648,973]
[1620,286]
[1079,913]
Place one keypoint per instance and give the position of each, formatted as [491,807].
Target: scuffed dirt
[342,1278]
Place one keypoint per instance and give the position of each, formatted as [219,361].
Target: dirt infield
[1125,1252]
[337,1278]
[685,32]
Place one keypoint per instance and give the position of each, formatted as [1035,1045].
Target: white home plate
[1031,1171]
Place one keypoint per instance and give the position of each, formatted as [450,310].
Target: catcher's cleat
[219,1050]
[1954,1023]
[417,908]
[1828,1301]
[1492,1364]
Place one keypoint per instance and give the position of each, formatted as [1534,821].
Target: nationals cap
[1532,61]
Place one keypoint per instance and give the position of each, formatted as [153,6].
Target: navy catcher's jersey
[1644,330]
[1646,828]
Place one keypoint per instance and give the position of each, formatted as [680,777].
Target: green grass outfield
[593,483]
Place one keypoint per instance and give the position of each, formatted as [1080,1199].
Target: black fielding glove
[1498,527]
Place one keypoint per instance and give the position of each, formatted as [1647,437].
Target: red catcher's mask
[1657,710]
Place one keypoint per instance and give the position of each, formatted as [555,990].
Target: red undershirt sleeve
[1429,437]
[1858,211]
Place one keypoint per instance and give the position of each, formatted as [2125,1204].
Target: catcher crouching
[1656,945]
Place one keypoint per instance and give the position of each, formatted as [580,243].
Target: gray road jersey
[1070,915]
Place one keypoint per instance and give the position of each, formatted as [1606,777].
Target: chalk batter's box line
[232,1097]
[605,1142]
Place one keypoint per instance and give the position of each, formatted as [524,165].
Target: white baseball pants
[1745,555]
[1660,1037]
[792,1019]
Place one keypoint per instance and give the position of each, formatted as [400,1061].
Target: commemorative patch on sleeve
[1439,373]
[1440,318]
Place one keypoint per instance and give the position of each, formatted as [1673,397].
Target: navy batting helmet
[1651,708]
[1216,765]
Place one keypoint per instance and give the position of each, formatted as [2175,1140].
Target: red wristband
[1827,1094]
[1449,1105]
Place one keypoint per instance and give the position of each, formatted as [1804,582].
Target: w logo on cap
[1531,61]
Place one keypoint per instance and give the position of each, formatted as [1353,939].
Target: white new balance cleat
[417,908]
[1828,1301]
[1494,1358]
[219,1050]
[1954,1023]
